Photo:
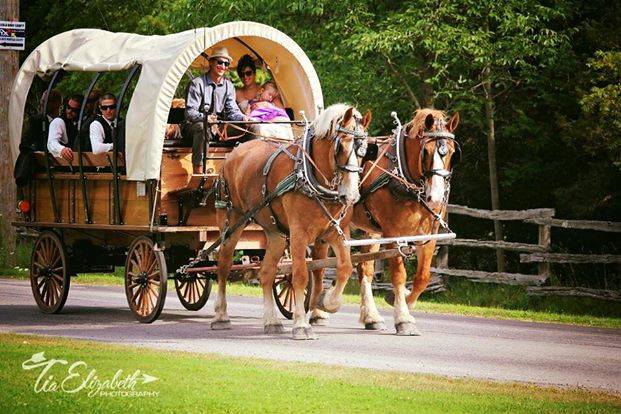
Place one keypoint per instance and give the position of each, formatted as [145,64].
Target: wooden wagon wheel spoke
[133,285]
[193,290]
[142,302]
[136,293]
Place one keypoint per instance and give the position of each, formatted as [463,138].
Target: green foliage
[602,105]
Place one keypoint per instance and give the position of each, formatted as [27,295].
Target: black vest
[120,130]
[72,132]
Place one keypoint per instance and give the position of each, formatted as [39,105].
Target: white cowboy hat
[221,52]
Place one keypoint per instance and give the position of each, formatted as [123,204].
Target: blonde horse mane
[418,122]
[325,123]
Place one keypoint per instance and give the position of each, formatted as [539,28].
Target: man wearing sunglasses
[101,127]
[64,130]
[213,96]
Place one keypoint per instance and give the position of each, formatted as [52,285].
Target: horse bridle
[440,138]
[312,184]
[359,147]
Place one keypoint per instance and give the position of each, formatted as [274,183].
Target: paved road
[451,345]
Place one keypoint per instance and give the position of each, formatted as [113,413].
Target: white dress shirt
[57,137]
[98,135]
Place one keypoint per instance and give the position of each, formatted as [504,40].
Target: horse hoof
[375,326]
[220,325]
[301,333]
[407,329]
[319,321]
[273,329]
[389,297]
[321,305]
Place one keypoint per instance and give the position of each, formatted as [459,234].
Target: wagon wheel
[193,290]
[145,279]
[49,273]
[285,296]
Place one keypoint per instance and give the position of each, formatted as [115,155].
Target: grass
[429,304]
[211,383]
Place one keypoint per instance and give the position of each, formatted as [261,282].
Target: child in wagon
[264,109]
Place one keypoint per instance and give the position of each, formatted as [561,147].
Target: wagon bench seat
[88,160]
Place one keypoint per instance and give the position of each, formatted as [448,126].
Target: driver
[210,94]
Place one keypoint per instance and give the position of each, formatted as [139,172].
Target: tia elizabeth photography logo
[59,375]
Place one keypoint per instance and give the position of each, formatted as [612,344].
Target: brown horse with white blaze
[321,173]
[403,195]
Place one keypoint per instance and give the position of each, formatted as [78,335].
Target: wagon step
[196,182]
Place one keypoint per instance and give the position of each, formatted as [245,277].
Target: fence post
[545,233]
[443,251]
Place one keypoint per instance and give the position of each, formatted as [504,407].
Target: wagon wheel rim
[48,274]
[193,290]
[145,279]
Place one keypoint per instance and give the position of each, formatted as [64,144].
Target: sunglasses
[224,63]
[72,109]
[107,107]
[247,73]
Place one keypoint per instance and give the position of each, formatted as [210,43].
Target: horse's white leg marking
[401,311]
[368,310]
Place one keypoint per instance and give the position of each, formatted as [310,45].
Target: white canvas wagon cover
[164,61]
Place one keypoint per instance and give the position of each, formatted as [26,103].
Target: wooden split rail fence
[539,253]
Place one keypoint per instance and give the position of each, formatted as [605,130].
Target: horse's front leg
[301,329]
[404,322]
[317,316]
[332,299]
[369,315]
[275,249]
[424,254]
[225,261]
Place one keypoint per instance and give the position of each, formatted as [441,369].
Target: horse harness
[300,179]
[399,180]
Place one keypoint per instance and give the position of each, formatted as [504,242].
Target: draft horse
[310,187]
[405,194]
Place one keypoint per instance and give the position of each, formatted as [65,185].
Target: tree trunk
[9,59]
[491,156]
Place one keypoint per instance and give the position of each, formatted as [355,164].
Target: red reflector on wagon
[23,206]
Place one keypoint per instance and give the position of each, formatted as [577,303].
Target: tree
[9,10]
[470,51]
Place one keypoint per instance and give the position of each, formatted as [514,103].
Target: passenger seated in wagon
[64,130]
[101,127]
[266,96]
[35,139]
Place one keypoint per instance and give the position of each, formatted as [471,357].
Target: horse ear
[348,115]
[452,124]
[367,119]
[429,121]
